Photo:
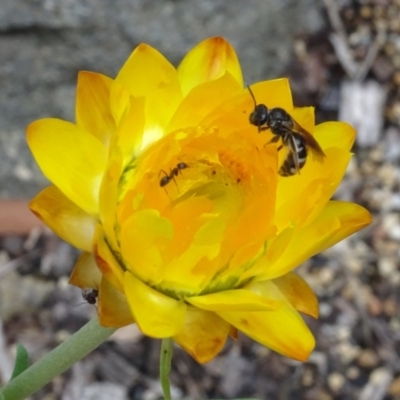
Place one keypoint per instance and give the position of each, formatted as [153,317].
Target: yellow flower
[174,197]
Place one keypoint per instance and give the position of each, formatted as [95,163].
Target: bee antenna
[252,95]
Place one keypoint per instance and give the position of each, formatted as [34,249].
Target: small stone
[387,266]
[368,359]
[336,381]
[326,276]
[353,373]
[347,352]
[308,377]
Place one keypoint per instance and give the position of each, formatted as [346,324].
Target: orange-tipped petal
[208,61]
[299,293]
[203,335]
[65,218]
[86,273]
[71,158]
[92,110]
[112,305]
[156,314]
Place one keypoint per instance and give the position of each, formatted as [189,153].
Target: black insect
[90,295]
[293,136]
[174,172]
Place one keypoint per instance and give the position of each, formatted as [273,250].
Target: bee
[167,178]
[90,296]
[293,136]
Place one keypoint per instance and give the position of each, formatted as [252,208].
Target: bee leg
[273,140]
[262,128]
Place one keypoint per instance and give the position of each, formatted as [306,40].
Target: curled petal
[203,335]
[156,314]
[299,293]
[86,273]
[65,218]
[106,260]
[207,61]
[113,306]
[71,158]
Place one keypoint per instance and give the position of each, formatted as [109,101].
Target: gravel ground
[349,69]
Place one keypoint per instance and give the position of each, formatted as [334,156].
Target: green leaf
[21,361]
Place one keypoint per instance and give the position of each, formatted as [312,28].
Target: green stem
[57,361]
[165,366]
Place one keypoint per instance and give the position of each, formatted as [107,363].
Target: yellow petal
[147,73]
[112,306]
[335,134]
[85,274]
[119,101]
[202,99]
[282,330]
[142,236]
[71,158]
[299,293]
[233,300]
[300,198]
[203,335]
[106,260]
[65,218]
[93,105]
[236,111]
[338,220]
[131,136]
[156,314]
[207,61]
[108,200]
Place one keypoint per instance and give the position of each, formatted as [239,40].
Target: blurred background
[343,57]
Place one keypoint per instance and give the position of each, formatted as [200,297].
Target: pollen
[235,166]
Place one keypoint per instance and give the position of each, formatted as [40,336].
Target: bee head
[259,116]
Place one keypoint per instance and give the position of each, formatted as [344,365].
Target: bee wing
[311,143]
[294,150]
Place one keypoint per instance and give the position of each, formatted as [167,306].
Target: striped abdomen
[288,167]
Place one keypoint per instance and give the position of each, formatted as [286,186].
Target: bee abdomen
[288,167]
